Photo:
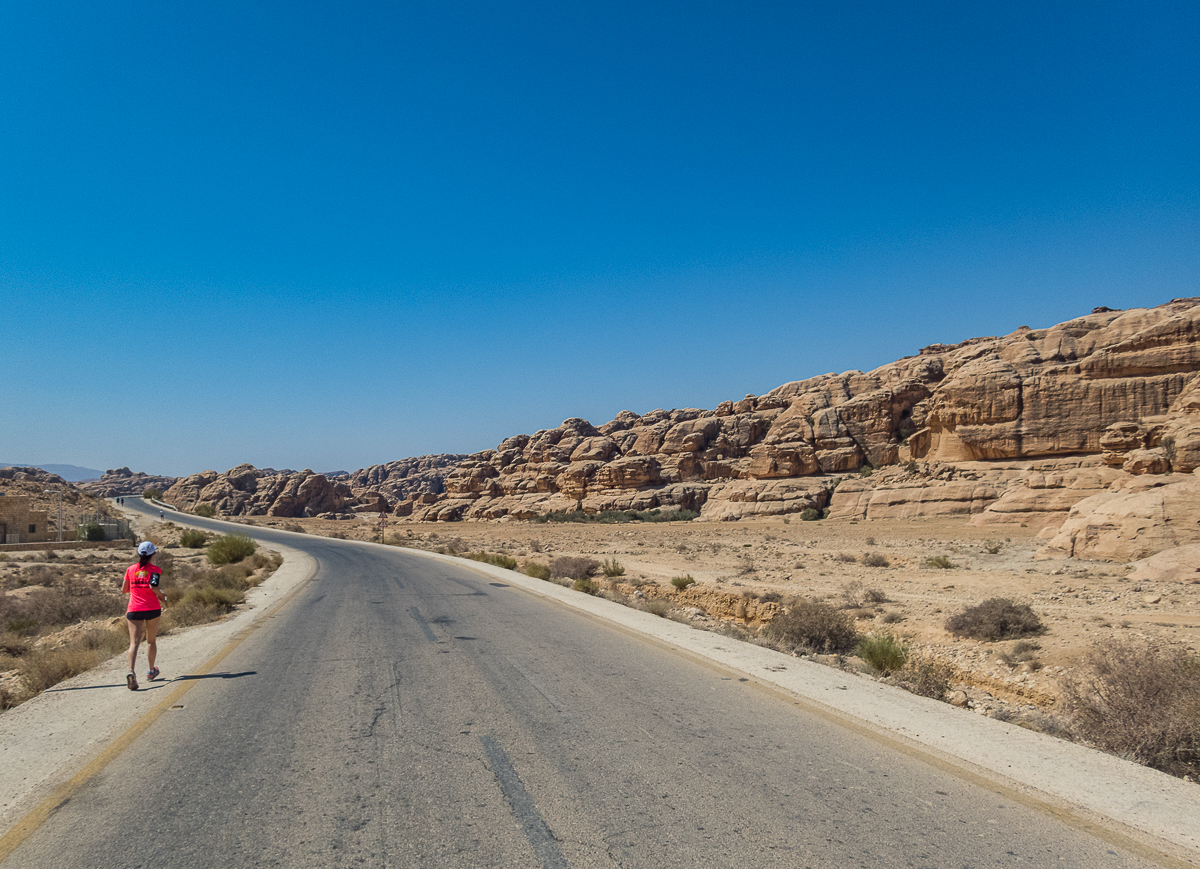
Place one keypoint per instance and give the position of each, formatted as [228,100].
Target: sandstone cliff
[248,491]
[1016,428]
[122,482]
[399,480]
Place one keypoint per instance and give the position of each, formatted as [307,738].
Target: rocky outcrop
[122,482]
[19,474]
[1117,388]
[1180,564]
[400,480]
[248,491]
[1137,518]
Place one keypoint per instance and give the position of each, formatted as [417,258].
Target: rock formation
[398,481]
[248,491]
[1016,428]
[122,482]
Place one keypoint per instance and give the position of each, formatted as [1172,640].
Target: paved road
[400,711]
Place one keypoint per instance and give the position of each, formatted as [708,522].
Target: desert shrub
[573,567]
[852,594]
[874,559]
[585,585]
[152,494]
[939,562]
[230,549]
[496,559]
[814,625]
[48,608]
[13,645]
[925,676]
[42,670]
[997,618]
[191,539]
[205,510]
[656,607]
[874,595]
[1169,448]
[613,568]
[992,548]
[682,582]
[883,652]
[537,571]
[844,558]
[91,531]
[1139,701]
[891,618]
[808,514]
[223,596]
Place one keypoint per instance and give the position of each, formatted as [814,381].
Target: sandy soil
[1081,603]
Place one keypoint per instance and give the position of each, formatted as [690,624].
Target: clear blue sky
[330,235]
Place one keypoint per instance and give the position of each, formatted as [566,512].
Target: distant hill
[70,473]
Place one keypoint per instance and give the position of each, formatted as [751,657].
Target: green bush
[230,549]
[152,494]
[537,571]
[1139,701]
[92,531]
[613,568]
[883,652]
[874,559]
[192,539]
[939,562]
[808,514]
[205,510]
[585,585]
[997,618]
[682,582]
[814,625]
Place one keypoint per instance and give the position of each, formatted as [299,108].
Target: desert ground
[741,569]
[1082,604]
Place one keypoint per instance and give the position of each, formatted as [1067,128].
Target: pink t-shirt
[142,583]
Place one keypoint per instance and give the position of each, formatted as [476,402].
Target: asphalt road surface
[404,712]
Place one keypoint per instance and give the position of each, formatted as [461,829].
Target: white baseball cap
[147,548]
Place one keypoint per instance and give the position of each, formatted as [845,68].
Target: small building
[21,523]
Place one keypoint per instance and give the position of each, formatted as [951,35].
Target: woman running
[144,610]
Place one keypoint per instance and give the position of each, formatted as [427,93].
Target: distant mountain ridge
[70,473]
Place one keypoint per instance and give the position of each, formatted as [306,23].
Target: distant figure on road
[144,610]
[161,515]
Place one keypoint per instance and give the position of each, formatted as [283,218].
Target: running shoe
[153,674]
[131,681]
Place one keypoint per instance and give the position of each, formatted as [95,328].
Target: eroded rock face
[247,491]
[1117,386]
[399,480]
[122,482]
[1138,517]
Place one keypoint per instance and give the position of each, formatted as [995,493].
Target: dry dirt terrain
[736,565]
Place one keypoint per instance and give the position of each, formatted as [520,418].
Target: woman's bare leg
[135,639]
[152,641]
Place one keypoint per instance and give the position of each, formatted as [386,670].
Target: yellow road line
[63,794]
